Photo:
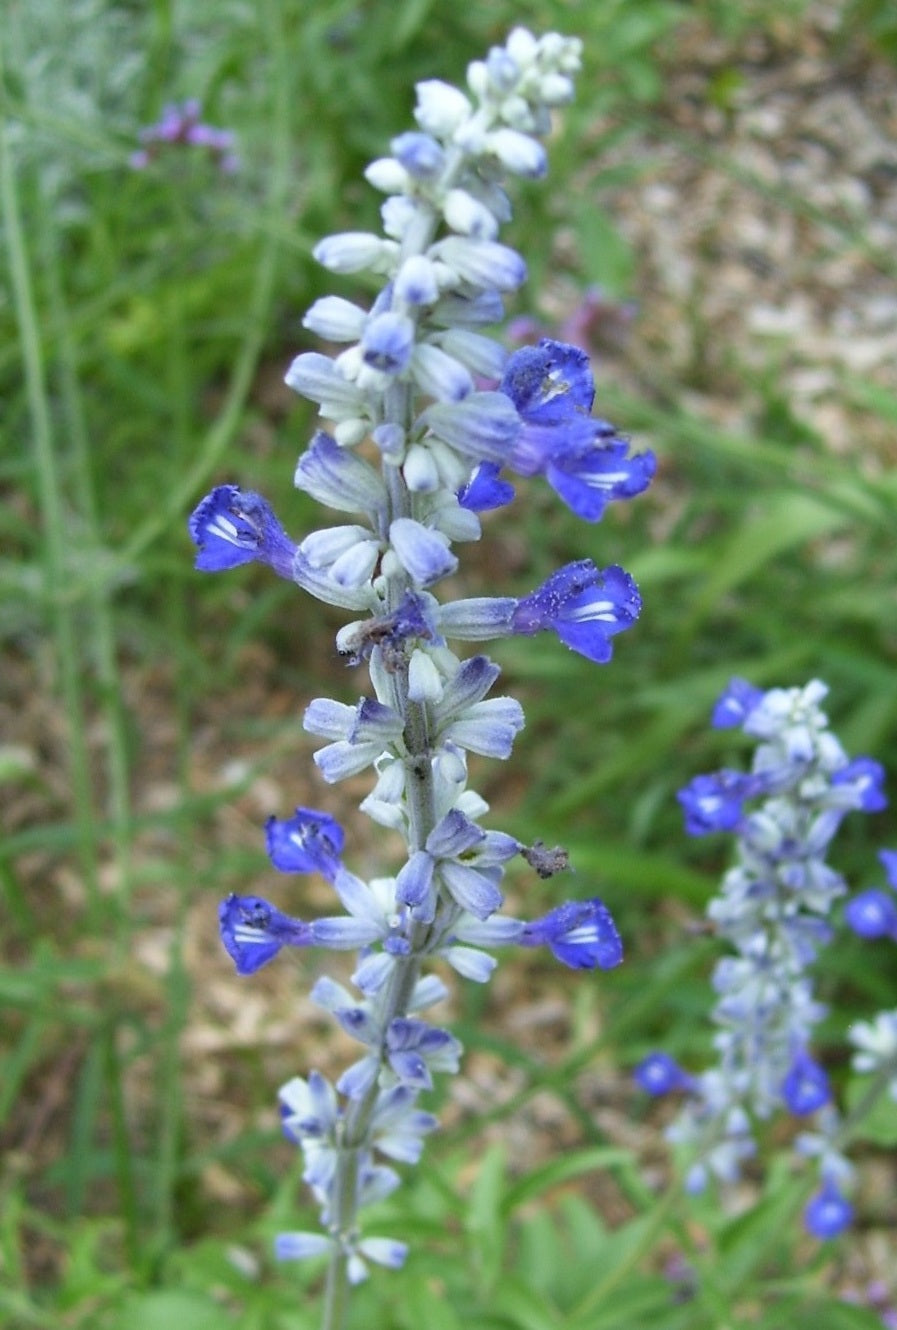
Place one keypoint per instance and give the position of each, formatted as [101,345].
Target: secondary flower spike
[775,909]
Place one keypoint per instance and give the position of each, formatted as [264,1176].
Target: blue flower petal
[253,931]
[308,842]
[231,528]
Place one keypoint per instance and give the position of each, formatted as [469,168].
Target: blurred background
[718,230]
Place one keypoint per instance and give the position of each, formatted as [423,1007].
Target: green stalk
[52,509]
[101,636]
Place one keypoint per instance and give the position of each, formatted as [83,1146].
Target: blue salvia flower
[582,458]
[230,528]
[443,409]
[873,913]
[774,908]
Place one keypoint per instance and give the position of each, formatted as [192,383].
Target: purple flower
[584,460]
[549,383]
[387,342]
[658,1074]
[414,1049]
[867,777]
[180,124]
[253,931]
[231,528]
[580,934]
[806,1087]
[872,914]
[587,477]
[735,702]
[420,155]
[828,1213]
[584,605]
[714,802]
[484,490]
[308,842]
[888,860]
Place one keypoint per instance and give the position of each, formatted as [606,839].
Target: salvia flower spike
[422,413]
[776,909]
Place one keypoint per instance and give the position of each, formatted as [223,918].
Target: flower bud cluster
[774,907]
[423,412]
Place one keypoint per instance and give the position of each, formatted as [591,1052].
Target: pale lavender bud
[454,311]
[483,426]
[388,342]
[390,439]
[484,263]
[420,470]
[338,478]
[316,377]
[320,584]
[425,555]
[421,156]
[556,89]
[415,282]
[439,375]
[398,214]
[482,355]
[487,728]
[425,683]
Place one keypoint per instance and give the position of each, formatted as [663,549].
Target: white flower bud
[349,433]
[335,319]
[522,46]
[441,108]
[556,89]
[425,683]
[397,214]
[387,175]
[419,470]
[478,79]
[351,251]
[518,152]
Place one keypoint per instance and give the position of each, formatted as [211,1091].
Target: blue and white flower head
[422,411]
[774,908]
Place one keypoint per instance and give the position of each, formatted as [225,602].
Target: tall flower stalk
[425,412]
[775,909]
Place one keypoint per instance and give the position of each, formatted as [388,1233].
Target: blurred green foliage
[144,328]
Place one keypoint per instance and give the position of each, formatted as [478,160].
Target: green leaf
[484,1219]
[879,1125]
[604,255]
[166,1308]
[562,1169]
